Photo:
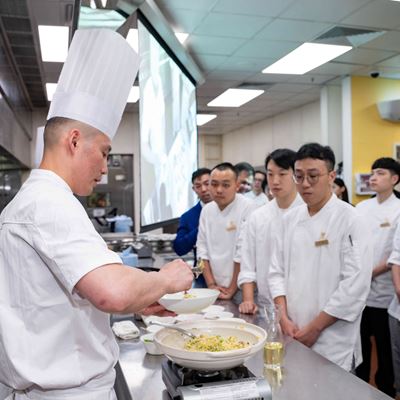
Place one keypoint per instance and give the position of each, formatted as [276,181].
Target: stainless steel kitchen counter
[304,376]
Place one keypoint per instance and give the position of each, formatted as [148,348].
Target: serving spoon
[172,326]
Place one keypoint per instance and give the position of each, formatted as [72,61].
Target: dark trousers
[375,323]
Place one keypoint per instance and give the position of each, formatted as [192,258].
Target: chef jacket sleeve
[276,274]
[248,252]
[349,299]
[395,254]
[69,244]
[248,209]
[201,244]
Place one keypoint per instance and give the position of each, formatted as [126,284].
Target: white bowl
[149,344]
[172,343]
[201,299]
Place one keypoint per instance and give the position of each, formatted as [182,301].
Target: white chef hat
[95,80]
[39,146]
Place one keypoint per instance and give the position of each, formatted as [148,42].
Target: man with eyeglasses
[258,232]
[321,266]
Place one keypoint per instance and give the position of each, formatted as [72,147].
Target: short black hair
[244,166]
[200,172]
[283,158]
[225,166]
[260,172]
[388,163]
[317,152]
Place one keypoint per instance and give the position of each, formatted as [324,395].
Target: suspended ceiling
[232,41]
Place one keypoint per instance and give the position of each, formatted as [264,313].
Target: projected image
[168,134]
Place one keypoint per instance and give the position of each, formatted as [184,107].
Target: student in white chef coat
[220,223]
[321,266]
[58,279]
[257,193]
[257,235]
[382,214]
[394,310]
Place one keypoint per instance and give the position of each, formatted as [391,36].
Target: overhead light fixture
[50,90]
[204,118]
[305,58]
[133,39]
[235,97]
[93,4]
[53,42]
[133,95]
[181,36]
[104,3]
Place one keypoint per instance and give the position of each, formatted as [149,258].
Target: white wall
[290,129]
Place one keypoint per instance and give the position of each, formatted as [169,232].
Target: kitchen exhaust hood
[389,110]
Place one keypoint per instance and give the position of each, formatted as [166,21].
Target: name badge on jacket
[385,224]
[322,241]
[231,226]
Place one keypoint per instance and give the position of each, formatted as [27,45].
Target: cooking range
[237,383]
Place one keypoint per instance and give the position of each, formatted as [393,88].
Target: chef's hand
[177,275]
[248,307]
[288,327]
[157,309]
[308,335]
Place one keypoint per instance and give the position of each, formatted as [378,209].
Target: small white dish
[147,319]
[189,317]
[218,315]
[149,344]
[213,309]
[153,328]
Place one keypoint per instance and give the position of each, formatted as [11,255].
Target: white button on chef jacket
[52,338]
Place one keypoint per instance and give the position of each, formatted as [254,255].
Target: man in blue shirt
[186,236]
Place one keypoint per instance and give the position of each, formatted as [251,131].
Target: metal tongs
[174,327]
[199,268]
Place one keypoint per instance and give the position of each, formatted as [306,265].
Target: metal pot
[172,344]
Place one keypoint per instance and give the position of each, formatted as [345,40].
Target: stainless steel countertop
[305,374]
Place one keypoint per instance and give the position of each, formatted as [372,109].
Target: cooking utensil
[174,327]
[198,269]
[172,344]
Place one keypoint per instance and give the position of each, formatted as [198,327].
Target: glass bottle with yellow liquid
[273,348]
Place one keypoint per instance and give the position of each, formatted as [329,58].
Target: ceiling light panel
[50,89]
[133,95]
[305,58]
[53,42]
[235,97]
[202,119]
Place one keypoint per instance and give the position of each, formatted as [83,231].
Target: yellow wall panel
[372,137]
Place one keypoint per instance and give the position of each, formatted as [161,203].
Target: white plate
[153,328]
[199,300]
[167,320]
[213,308]
[189,317]
[218,315]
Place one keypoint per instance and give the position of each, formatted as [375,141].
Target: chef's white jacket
[394,307]
[324,263]
[218,237]
[50,337]
[257,242]
[382,219]
[259,199]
